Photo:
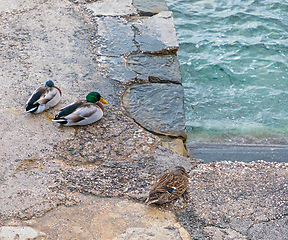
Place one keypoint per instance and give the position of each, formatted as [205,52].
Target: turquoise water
[234,64]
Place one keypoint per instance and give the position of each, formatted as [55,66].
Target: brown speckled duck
[169,186]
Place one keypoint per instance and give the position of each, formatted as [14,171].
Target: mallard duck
[169,186]
[43,98]
[82,112]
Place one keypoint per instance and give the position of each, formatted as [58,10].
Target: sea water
[234,62]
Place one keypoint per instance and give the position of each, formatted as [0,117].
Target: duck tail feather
[30,109]
[59,120]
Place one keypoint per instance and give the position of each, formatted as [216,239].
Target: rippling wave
[233,57]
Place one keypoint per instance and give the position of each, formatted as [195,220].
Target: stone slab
[275,229]
[153,233]
[18,5]
[241,225]
[243,197]
[160,68]
[157,33]
[112,8]
[115,37]
[95,218]
[154,68]
[215,233]
[115,69]
[150,7]
[10,232]
[157,107]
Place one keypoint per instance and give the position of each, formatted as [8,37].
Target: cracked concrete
[90,182]
[236,200]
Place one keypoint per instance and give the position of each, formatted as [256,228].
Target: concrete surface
[62,183]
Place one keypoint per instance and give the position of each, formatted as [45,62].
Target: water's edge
[233,59]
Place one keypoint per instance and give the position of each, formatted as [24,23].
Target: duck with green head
[43,98]
[82,112]
[169,186]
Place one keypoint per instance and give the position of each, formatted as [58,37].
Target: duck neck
[101,106]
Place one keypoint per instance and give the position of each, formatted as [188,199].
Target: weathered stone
[223,233]
[230,188]
[18,5]
[156,68]
[150,7]
[162,67]
[160,157]
[58,49]
[114,68]
[114,37]
[192,223]
[120,177]
[240,225]
[236,196]
[175,144]
[153,233]
[157,33]
[112,8]
[182,232]
[11,232]
[31,185]
[275,229]
[101,218]
[115,137]
[157,107]
[48,42]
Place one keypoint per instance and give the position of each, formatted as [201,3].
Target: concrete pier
[91,182]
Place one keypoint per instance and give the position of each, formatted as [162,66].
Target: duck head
[95,97]
[49,84]
[179,171]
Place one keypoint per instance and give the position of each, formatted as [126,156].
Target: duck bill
[103,101]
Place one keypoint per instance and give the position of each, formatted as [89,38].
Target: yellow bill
[103,101]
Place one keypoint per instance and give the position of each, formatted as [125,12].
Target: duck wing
[68,112]
[41,96]
[70,109]
[163,183]
[48,95]
[77,112]
[167,188]
[85,111]
[32,103]
[178,187]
